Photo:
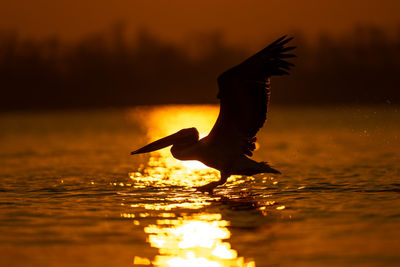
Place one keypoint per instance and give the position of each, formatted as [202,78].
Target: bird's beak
[156,145]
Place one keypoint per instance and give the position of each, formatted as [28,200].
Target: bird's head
[183,137]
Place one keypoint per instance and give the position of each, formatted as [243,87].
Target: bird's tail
[268,169]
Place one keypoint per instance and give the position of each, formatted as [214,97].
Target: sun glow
[162,168]
[194,165]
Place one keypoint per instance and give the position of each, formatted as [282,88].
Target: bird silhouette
[244,94]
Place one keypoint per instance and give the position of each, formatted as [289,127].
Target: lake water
[71,195]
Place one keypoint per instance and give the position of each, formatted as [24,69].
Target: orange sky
[242,21]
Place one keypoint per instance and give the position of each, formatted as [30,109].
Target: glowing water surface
[71,195]
[198,238]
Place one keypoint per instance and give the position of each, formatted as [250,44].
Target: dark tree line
[110,70]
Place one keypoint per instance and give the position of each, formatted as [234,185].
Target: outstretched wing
[244,92]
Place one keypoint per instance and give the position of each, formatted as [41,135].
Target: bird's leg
[210,186]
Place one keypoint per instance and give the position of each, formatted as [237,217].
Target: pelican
[244,93]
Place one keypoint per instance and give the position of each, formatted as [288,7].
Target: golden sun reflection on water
[184,234]
[193,240]
[173,203]
[183,238]
[162,168]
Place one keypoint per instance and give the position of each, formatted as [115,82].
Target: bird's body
[244,93]
[217,156]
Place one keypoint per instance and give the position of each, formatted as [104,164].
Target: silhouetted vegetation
[111,70]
